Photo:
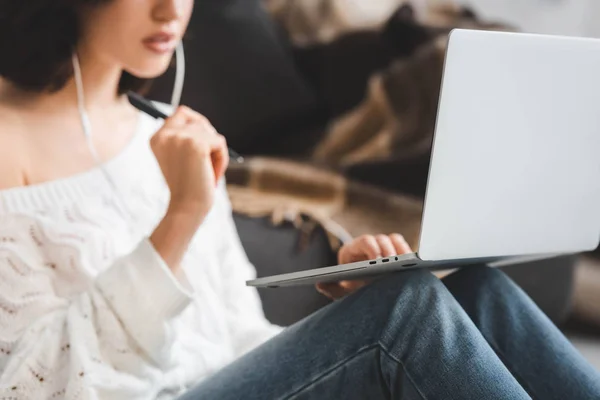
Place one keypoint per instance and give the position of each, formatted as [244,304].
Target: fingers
[380,246]
[353,286]
[185,116]
[367,245]
[338,290]
[332,290]
[182,117]
[214,145]
[195,129]
[190,114]
[400,244]
[386,246]
[220,157]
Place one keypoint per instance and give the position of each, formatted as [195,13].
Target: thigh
[402,337]
[529,344]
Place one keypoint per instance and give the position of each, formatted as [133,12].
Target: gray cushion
[275,250]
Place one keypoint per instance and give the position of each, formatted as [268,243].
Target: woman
[125,280]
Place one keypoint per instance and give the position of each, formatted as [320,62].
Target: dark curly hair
[37,38]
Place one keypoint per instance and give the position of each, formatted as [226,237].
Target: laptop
[515,165]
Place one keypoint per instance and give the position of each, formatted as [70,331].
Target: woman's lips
[160,43]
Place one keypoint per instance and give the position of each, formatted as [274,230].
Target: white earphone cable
[87,131]
[179,77]
[85,120]
[87,125]
[87,128]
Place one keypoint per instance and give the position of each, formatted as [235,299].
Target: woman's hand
[192,157]
[364,248]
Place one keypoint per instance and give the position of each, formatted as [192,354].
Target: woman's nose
[168,10]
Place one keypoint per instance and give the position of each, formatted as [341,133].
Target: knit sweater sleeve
[106,339]
[245,317]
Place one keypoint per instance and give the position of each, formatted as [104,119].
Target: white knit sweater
[88,309]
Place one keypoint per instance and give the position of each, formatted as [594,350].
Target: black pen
[146,106]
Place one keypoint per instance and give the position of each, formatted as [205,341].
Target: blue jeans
[474,335]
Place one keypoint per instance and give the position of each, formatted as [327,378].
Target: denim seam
[410,378]
[331,370]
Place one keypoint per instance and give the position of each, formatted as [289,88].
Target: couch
[274,250]
[241,75]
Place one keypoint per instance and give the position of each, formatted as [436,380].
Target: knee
[404,297]
[408,289]
[388,305]
[415,309]
[477,288]
[479,277]
[403,284]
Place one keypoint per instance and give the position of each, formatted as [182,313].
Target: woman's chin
[150,70]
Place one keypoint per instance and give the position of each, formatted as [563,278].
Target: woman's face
[139,36]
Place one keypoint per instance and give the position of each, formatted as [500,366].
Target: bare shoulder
[11,150]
